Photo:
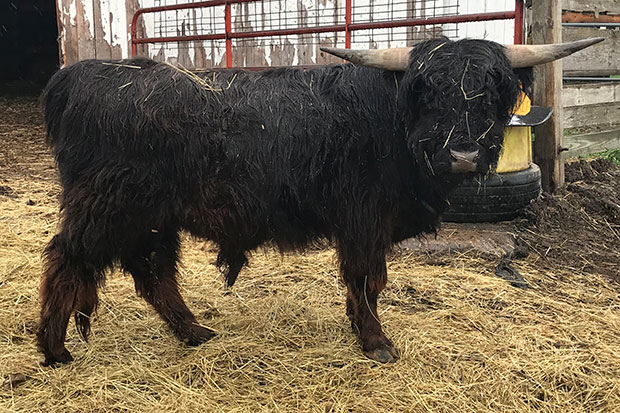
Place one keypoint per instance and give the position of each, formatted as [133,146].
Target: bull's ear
[526,77]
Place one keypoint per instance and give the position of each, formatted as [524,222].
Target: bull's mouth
[463,162]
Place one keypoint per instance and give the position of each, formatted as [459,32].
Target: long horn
[531,55]
[391,59]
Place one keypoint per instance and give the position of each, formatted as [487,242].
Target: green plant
[611,154]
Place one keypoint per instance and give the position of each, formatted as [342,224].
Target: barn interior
[28,44]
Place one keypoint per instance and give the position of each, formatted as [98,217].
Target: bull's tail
[54,102]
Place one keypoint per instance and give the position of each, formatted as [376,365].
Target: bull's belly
[251,228]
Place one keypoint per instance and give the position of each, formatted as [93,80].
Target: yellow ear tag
[523,106]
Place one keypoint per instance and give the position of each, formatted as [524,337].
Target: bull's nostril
[471,156]
[464,161]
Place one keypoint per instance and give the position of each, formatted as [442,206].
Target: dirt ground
[579,228]
[469,341]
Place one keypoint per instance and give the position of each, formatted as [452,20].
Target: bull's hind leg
[153,267]
[365,276]
[69,284]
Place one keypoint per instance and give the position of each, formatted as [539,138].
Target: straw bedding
[469,341]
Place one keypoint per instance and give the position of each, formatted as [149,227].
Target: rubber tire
[499,197]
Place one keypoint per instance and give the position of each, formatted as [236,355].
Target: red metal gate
[220,25]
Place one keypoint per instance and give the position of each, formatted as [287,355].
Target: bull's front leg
[365,275]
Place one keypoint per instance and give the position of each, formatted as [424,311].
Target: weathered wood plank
[119,29]
[547,28]
[84,18]
[591,115]
[590,94]
[579,145]
[100,13]
[68,33]
[597,6]
[600,59]
[60,39]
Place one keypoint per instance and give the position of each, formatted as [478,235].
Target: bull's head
[456,97]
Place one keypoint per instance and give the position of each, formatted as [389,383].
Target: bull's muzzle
[464,161]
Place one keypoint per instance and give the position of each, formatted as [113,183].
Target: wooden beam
[580,94]
[589,143]
[596,6]
[604,114]
[547,28]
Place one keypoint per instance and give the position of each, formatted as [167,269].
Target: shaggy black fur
[353,155]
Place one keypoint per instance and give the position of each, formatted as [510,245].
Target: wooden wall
[592,110]
[604,59]
[591,117]
[94,29]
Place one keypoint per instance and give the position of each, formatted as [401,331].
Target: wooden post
[547,28]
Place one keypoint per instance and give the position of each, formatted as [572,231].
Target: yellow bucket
[516,154]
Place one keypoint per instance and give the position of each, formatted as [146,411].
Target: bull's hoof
[387,354]
[53,361]
[198,335]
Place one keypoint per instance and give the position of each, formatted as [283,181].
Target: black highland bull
[360,156]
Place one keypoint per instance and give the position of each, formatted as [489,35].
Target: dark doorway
[28,44]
